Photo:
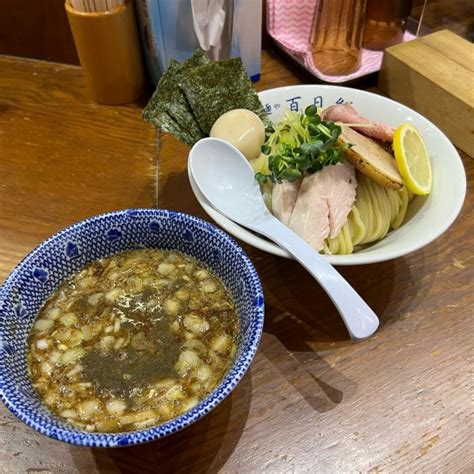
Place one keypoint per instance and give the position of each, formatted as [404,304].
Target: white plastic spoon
[227,181]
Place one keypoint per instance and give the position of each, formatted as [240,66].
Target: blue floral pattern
[43,270]
[72,250]
[41,275]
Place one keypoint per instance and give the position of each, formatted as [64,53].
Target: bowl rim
[230,380]
[357,258]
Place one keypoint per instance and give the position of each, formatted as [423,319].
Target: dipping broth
[132,341]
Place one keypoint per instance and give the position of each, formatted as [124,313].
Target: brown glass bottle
[385,23]
[338,28]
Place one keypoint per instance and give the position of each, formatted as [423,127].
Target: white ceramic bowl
[427,218]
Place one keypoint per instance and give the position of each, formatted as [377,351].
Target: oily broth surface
[132,340]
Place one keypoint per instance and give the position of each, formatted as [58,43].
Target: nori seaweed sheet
[218,87]
[191,96]
[169,109]
[174,99]
[164,122]
[155,112]
[174,102]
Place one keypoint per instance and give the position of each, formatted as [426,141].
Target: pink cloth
[289,23]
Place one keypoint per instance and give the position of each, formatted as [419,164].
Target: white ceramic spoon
[227,181]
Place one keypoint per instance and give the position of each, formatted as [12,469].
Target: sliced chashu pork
[324,201]
[284,199]
[371,159]
[345,113]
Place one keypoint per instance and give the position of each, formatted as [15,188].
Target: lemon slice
[412,159]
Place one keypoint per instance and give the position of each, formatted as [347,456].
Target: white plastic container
[174,29]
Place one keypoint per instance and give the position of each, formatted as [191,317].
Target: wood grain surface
[312,401]
[62,157]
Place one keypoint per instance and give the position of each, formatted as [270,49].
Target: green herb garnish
[301,143]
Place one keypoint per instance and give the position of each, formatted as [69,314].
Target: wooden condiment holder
[108,46]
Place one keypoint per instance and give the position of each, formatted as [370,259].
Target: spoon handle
[360,320]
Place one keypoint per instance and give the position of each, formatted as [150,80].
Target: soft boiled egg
[241,128]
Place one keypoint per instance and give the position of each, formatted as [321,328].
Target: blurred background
[40,29]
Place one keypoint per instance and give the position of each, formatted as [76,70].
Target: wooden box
[434,76]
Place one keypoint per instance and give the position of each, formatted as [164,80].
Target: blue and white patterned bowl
[42,271]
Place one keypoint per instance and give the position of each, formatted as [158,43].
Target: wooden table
[313,401]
